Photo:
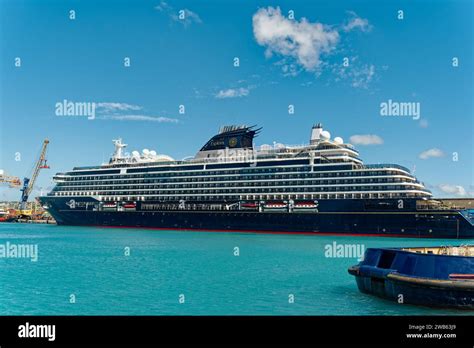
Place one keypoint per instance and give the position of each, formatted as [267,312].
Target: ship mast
[118,149]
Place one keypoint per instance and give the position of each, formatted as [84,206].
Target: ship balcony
[60,177]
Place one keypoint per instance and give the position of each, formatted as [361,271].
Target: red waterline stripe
[265,232]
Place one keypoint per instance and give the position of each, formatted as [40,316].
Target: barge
[430,276]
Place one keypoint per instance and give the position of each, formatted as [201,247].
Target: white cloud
[233,93]
[361,78]
[357,74]
[163,6]
[183,16]
[147,118]
[288,68]
[301,40]
[113,107]
[431,153]
[357,22]
[457,190]
[366,139]
[122,112]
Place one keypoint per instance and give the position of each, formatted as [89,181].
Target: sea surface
[108,271]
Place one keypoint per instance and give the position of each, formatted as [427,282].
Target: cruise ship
[318,188]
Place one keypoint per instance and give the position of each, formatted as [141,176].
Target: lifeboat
[432,276]
[129,206]
[275,206]
[310,206]
[248,206]
[109,206]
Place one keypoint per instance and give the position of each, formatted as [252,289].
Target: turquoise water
[91,264]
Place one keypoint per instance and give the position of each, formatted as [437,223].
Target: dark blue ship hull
[417,278]
[354,217]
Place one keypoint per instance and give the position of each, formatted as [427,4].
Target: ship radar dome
[325,135]
[338,140]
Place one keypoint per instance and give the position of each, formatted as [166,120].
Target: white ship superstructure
[229,169]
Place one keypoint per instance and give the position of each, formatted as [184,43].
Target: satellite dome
[279,146]
[146,151]
[162,157]
[325,135]
[338,140]
[153,153]
[135,154]
[265,147]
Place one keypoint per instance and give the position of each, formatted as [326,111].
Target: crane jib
[28,183]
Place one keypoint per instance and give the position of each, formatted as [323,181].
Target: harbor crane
[28,183]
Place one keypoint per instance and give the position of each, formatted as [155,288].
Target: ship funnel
[316,133]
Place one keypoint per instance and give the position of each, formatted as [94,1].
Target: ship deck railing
[211,161]
[385,165]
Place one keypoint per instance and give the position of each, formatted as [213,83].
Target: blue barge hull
[437,277]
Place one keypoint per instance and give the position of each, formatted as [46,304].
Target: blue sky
[283,62]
